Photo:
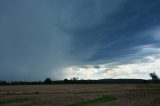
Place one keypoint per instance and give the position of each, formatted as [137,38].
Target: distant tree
[74,79]
[154,77]
[47,81]
[3,82]
[65,80]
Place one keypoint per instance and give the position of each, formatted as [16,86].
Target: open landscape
[79,52]
[80,95]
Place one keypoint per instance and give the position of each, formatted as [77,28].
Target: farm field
[81,95]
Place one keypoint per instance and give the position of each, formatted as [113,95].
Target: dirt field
[67,95]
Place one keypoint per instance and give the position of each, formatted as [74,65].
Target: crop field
[81,95]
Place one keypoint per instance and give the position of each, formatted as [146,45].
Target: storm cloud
[65,38]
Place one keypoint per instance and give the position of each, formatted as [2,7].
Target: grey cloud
[97,66]
[85,14]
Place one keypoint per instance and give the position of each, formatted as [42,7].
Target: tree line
[75,80]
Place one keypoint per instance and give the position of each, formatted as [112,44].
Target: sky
[88,39]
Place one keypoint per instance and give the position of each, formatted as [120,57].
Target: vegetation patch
[102,99]
[154,91]
[17,100]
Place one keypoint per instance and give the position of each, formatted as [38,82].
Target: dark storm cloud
[38,38]
[120,32]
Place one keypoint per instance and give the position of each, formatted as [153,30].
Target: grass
[13,100]
[102,99]
[154,91]
[62,95]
